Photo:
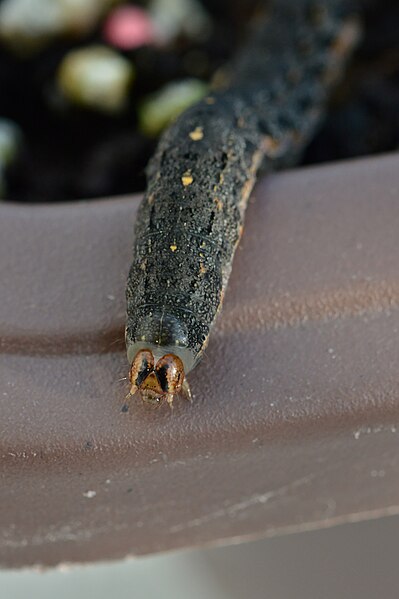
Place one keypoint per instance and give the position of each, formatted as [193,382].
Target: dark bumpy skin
[206,163]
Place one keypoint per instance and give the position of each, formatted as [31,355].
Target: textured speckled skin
[200,178]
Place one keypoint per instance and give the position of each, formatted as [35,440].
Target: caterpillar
[202,173]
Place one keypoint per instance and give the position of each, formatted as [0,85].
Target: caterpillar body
[199,180]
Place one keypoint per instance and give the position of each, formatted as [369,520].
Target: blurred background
[354,561]
[87,86]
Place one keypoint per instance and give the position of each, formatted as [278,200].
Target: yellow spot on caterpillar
[187,178]
[143,338]
[197,134]
[219,204]
[173,247]
[221,181]
[202,268]
[151,199]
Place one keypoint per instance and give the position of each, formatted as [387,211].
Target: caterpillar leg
[133,390]
[169,399]
[187,391]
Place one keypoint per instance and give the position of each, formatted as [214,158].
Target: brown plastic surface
[295,420]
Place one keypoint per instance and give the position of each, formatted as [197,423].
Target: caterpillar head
[156,380]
